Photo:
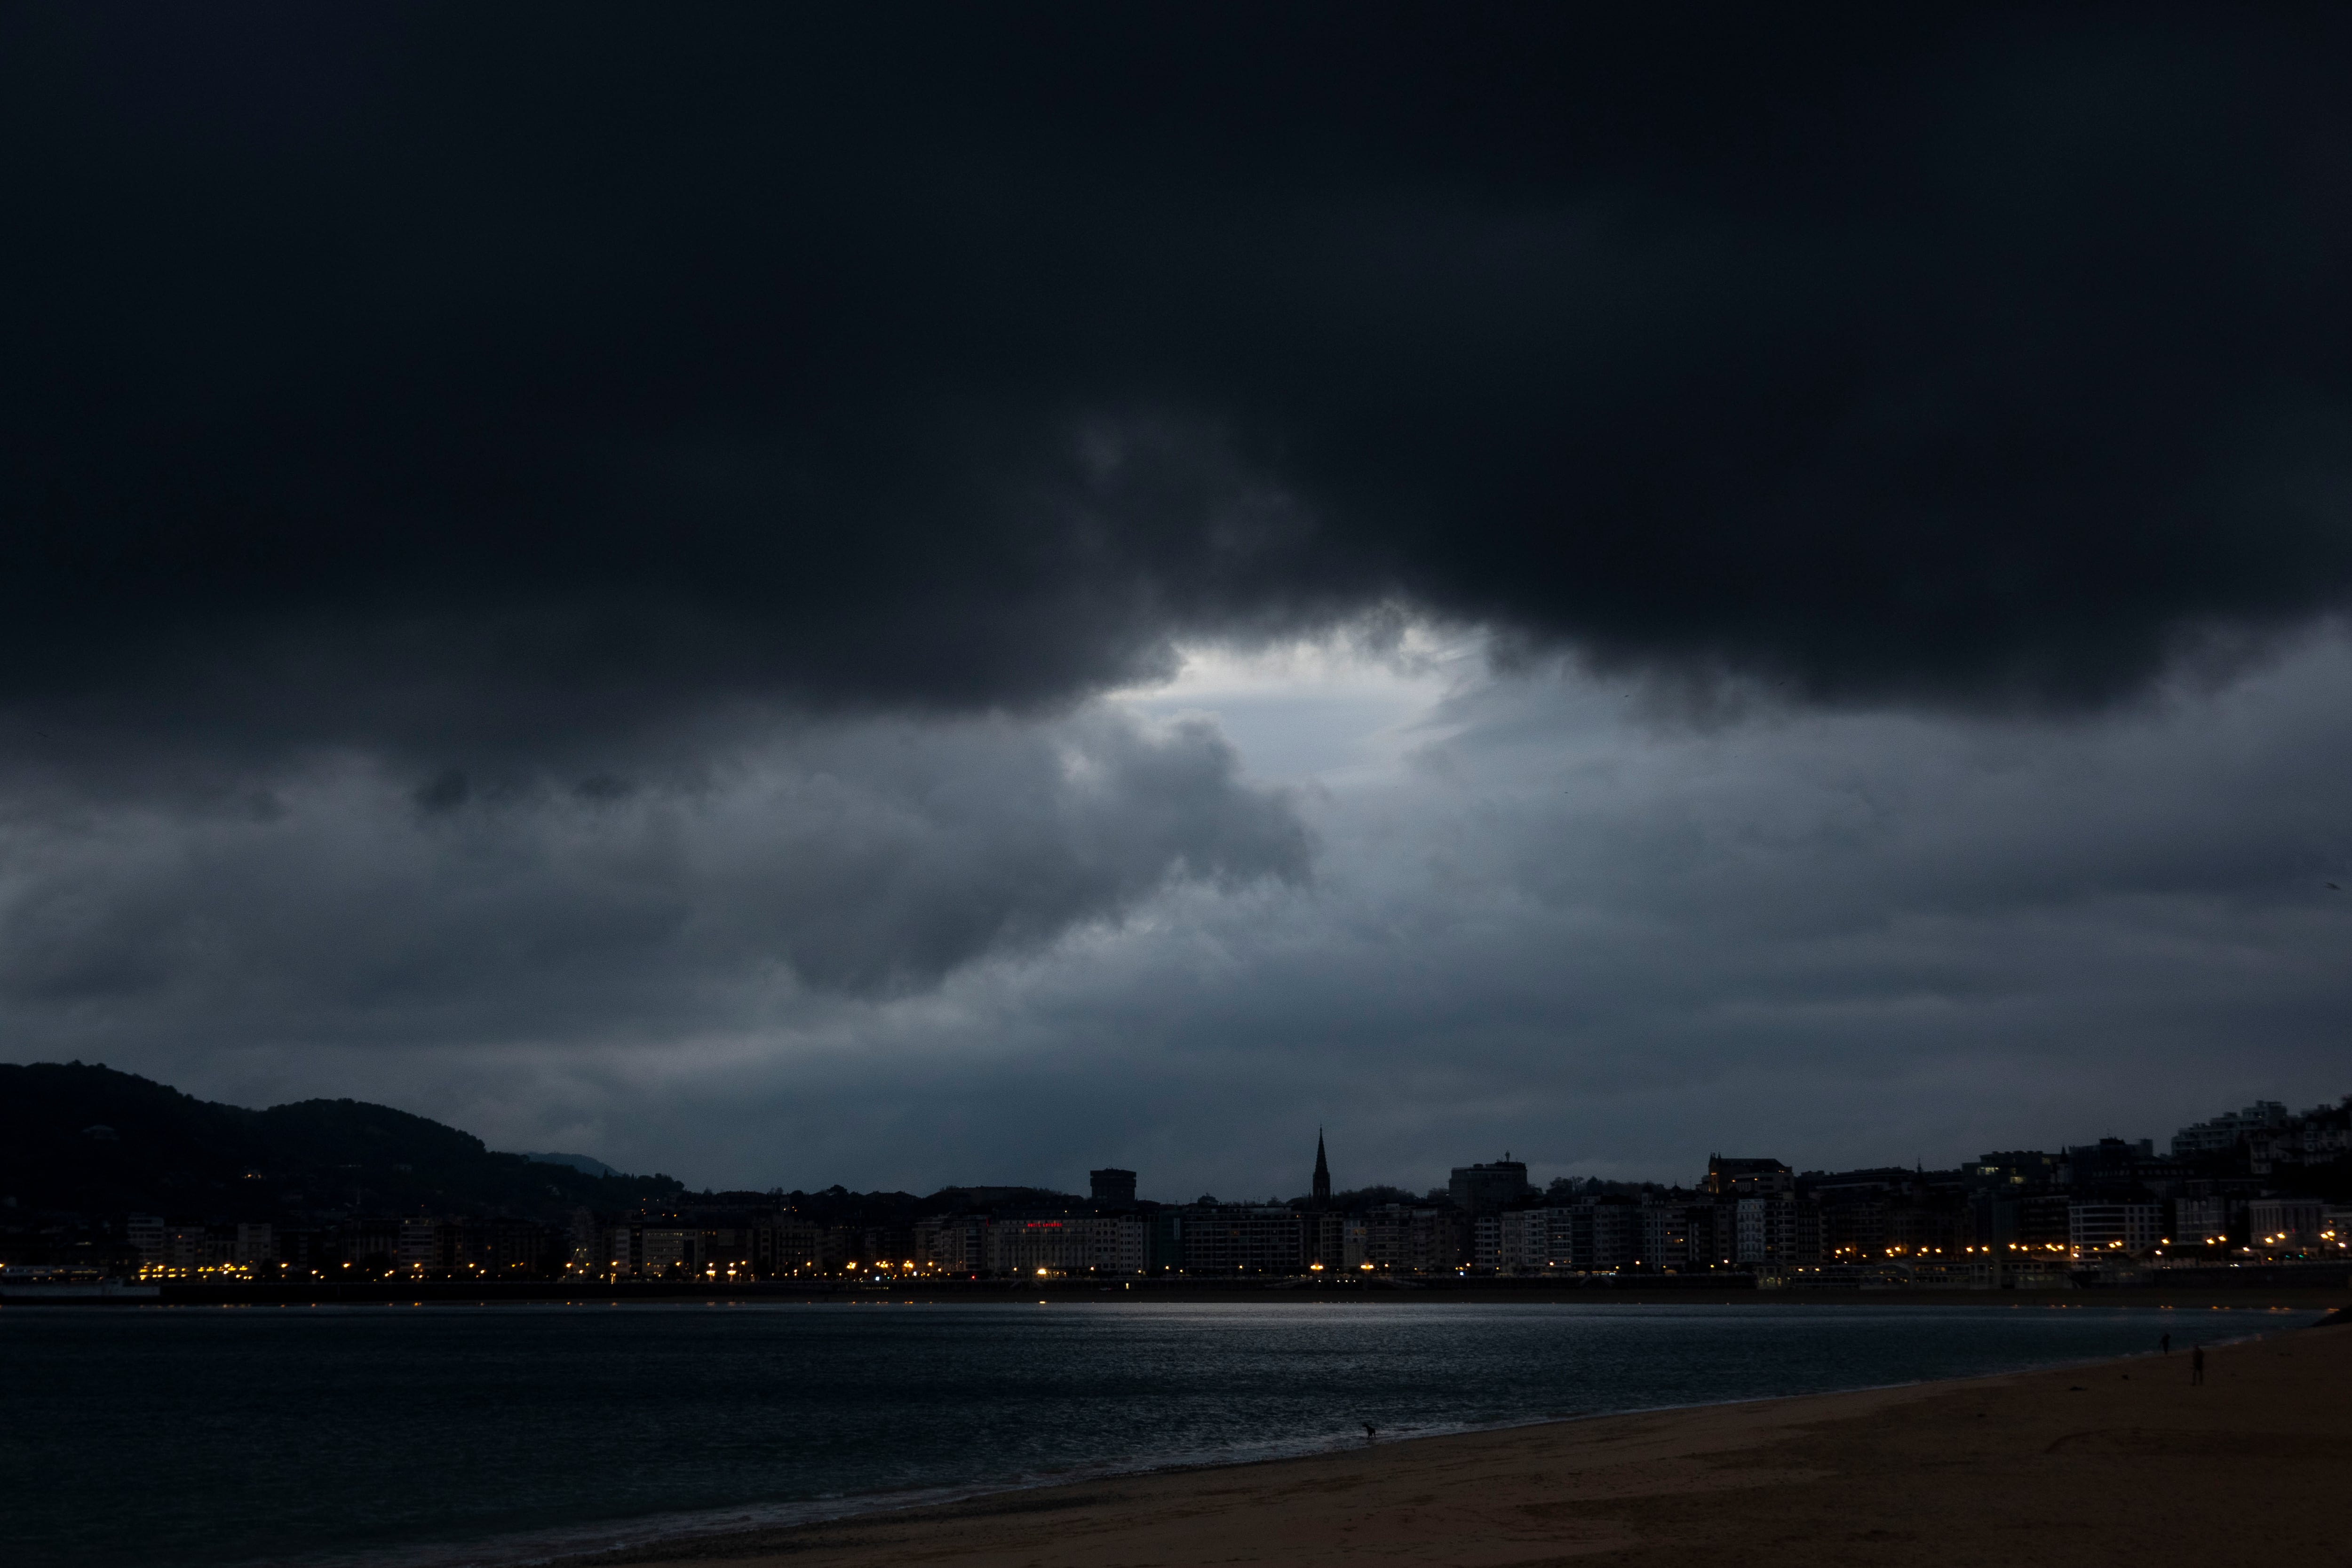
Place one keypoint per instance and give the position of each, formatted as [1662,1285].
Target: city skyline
[170,1192]
[78,1092]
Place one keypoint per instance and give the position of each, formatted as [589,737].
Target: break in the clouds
[538,550]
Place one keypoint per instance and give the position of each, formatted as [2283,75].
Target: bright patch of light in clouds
[1342,710]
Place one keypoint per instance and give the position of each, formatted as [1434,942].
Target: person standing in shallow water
[2164,1344]
[2196,1364]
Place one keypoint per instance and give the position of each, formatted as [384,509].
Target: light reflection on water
[397,1435]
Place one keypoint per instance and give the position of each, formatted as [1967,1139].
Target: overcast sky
[974,593]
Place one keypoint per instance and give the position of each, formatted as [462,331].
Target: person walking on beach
[2164,1342]
[2196,1364]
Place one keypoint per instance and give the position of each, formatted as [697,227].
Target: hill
[87,1140]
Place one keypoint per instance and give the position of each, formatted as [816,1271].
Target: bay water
[395,1435]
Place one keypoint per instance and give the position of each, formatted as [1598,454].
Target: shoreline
[1156,1509]
[2316,1295]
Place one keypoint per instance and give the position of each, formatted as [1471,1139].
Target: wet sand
[2123,1462]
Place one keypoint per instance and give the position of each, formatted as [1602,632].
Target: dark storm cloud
[488,386]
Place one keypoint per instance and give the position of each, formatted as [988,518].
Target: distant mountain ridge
[587,1162]
[83,1138]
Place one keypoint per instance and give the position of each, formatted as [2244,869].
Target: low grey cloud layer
[861,858]
[1549,921]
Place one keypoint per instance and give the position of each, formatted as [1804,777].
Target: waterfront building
[1069,1244]
[665,1249]
[620,1250]
[1713,1232]
[425,1246]
[1602,1234]
[954,1244]
[885,1243]
[304,1249]
[1663,1228]
[1523,1240]
[1765,1230]
[2285,1224]
[1406,1239]
[790,1243]
[2205,1221]
[2100,1226]
[1487,1242]
[1326,1238]
[188,1247]
[1853,1227]
[581,1238]
[1926,1230]
[254,1246]
[2044,1221]
[371,1245]
[1236,1239]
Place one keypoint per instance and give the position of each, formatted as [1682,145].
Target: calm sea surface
[438,1435]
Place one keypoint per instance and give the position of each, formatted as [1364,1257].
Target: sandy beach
[2121,1462]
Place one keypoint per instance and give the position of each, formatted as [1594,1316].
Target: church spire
[1322,1172]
